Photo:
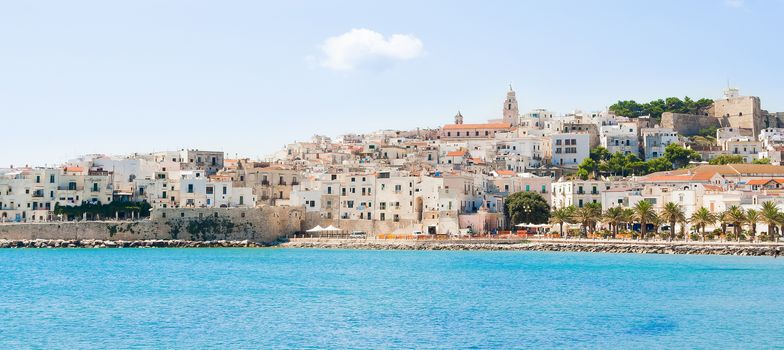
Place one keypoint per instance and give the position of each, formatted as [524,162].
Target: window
[190,188]
[224,189]
[209,190]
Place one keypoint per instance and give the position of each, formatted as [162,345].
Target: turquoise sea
[347,299]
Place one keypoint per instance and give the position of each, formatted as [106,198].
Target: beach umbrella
[332,228]
[318,228]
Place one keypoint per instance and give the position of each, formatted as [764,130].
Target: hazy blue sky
[247,77]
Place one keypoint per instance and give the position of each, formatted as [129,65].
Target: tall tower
[458,118]
[511,112]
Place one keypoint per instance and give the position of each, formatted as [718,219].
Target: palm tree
[628,217]
[656,221]
[643,213]
[701,218]
[596,212]
[736,217]
[771,216]
[562,216]
[683,227]
[673,213]
[724,219]
[752,217]
[614,216]
[587,216]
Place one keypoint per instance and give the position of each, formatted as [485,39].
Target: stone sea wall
[593,247]
[97,243]
[264,224]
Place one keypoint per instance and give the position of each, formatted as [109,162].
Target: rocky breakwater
[96,243]
[598,247]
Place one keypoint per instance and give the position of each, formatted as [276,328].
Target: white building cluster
[439,181]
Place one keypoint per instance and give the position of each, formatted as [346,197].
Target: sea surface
[353,299]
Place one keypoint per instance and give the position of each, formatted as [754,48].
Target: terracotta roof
[763,181]
[505,172]
[730,169]
[712,188]
[476,126]
[456,153]
[676,178]
[73,169]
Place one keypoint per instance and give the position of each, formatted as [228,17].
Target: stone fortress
[734,110]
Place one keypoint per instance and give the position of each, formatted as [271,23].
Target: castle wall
[264,224]
[688,124]
[740,112]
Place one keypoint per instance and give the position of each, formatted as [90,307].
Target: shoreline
[150,243]
[616,247]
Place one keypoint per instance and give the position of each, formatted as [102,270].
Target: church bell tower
[511,113]
[458,118]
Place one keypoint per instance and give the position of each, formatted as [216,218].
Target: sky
[248,77]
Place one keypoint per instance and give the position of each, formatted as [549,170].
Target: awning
[318,228]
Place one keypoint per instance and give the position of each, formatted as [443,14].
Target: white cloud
[734,3]
[363,46]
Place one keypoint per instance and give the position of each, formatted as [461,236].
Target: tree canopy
[601,162]
[655,108]
[527,207]
[727,159]
[680,156]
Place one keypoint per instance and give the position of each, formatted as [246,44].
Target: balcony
[282,183]
[264,183]
[294,183]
